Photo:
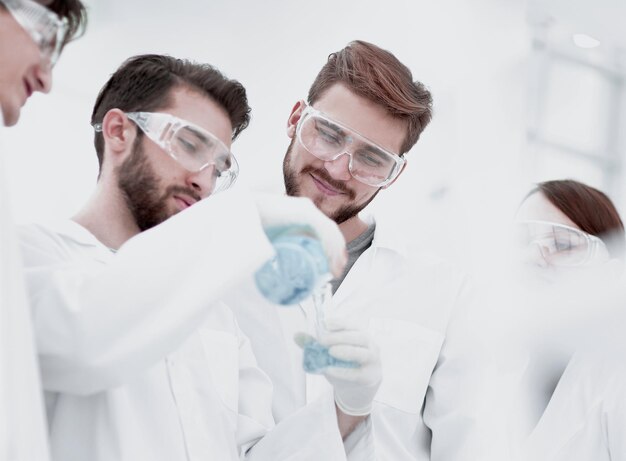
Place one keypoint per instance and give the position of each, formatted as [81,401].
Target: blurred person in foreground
[572,241]
[32,37]
[585,417]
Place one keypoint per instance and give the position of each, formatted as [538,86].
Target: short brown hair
[590,209]
[377,75]
[144,83]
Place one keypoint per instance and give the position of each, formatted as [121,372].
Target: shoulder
[39,242]
[44,243]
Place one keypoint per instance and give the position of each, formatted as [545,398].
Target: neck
[107,217]
[352,228]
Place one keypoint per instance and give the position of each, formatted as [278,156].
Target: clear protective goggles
[327,140]
[193,147]
[561,245]
[46,29]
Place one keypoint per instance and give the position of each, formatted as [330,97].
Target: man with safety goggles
[31,38]
[194,148]
[328,140]
[390,310]
[129,323]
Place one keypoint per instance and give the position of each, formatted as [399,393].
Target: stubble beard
[292,188]
[140,188]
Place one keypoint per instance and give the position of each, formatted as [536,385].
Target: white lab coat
[585,419]
[138,360]
[546,324]
[23,435]
[407,304]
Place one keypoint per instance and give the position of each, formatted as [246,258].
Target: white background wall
[465,172]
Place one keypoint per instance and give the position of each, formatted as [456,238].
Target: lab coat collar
[388,245]
[71,230]
[387,236]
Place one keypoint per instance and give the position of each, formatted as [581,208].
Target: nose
[203,181]
[43,77]
[340,167]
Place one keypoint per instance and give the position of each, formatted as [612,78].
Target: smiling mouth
[324,187]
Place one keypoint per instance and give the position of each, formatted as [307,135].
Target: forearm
[347,423]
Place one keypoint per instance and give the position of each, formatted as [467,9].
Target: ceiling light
[585,41]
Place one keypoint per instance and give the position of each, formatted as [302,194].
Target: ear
[396,178]
[294,117]
[119,135]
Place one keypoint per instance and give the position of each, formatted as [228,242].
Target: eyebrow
[376,151]
[331,125]
[370,147]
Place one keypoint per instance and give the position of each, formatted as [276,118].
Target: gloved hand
[355,388]
[282,211]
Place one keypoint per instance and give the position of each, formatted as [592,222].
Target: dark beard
[140,188]
[342,214]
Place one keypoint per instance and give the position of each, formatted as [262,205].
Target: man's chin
[322,204]
[172,212]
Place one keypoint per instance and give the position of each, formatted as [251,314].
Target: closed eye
[373,158]
[193,142]
[329,132]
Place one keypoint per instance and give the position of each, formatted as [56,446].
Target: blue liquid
[316,358]
[295,271]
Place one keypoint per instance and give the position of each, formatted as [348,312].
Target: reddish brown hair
[377,75]
[590,209]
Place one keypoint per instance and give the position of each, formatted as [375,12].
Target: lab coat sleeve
[96,328]
[309,434]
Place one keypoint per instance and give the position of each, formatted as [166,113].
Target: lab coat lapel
[374,268]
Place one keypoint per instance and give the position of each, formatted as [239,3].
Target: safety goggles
[561,245]
[46,29]
[327,140]
[193,147]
